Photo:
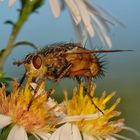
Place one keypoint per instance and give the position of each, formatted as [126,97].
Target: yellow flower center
[27,110]
[81,104]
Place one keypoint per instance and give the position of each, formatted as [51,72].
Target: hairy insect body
[83,65]
[59,59]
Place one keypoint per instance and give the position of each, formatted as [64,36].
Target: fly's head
[34,65]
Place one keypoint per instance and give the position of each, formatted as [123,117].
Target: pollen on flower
[100,127]
[32,114]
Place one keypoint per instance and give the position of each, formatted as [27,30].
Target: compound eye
[37,61]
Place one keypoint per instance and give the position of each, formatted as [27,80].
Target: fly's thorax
[54,67]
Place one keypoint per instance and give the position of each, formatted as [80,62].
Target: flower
[86,122]
[88,18]
[28,113]
[28,110]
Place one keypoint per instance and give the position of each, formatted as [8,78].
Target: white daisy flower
[28,114]
[88,18]
[85,122]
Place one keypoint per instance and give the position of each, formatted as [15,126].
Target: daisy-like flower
[88,18]
[86,122]
[28,114]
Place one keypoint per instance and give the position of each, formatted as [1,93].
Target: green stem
[26,11]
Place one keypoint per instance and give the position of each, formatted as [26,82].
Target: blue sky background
[123,73]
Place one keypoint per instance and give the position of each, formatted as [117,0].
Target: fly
[70,60]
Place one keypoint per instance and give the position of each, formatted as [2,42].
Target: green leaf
[4,79]
[5,131]
[32,137]
[10,22]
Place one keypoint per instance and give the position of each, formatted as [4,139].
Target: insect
[64,60]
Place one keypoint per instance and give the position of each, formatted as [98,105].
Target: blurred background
[123,70]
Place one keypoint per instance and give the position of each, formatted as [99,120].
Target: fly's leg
[91,99]
[36,89]
[87,91]
[60,76]
[90,96]
[38,86]
[22,80]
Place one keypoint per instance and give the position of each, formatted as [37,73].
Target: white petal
[110,138]
[93,9]
[63,133]
[40,90]
[76,133]
[90,30]
[55,7]
[83,11]
[121,137]
[66,133]
[108,13]
[56,134]
[78,31]
[33,85]
[11,2]
[85,17]
[81,117]
[74,10]
[131,130]
[88,137]
[102,30]
[108,40]
[43,135]
[17,133]
[4,120]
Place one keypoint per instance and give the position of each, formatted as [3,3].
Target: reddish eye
[37,61]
